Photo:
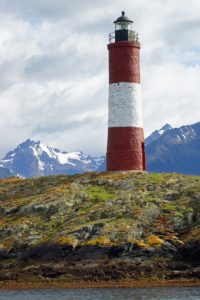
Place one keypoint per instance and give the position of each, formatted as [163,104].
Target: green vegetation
[99,193]
[99,208]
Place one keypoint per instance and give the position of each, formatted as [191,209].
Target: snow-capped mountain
[168,150]
[32,159]
[176,150]
[157,134]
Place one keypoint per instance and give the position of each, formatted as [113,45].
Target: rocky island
[100,228]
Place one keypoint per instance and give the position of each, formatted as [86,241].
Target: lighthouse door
[143,156]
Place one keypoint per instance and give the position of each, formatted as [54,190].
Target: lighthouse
[125,147]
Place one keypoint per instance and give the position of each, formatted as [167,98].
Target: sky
[54,68]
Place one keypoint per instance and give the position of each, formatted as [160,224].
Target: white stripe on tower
[124,105]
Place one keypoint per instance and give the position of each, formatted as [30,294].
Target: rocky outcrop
[100,226]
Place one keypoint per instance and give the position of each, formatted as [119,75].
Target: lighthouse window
[123,26]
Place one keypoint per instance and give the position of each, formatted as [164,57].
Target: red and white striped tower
[125,149]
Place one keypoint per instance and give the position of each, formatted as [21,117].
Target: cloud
[54,72]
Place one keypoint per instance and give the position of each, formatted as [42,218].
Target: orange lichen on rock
[140,244]
[154,240]
[102,240]
[68,240]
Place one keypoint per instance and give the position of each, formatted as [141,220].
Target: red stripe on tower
[125,149]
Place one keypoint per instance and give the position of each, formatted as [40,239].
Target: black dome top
[123,18]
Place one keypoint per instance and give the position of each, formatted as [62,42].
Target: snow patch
[6,160]
[45,149]
[41,165]
[64,158]
[34,151]
[161,131]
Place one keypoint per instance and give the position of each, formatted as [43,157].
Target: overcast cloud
[54,72]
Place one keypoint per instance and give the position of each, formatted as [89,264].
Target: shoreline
[53,284]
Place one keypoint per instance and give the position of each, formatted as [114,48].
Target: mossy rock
[130,206]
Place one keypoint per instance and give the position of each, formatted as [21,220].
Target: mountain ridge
[32,159]
[167,149]
[155,135]
[177,150]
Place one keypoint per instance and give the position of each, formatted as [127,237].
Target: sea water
[104,294]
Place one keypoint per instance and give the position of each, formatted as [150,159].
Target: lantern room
[123,30]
